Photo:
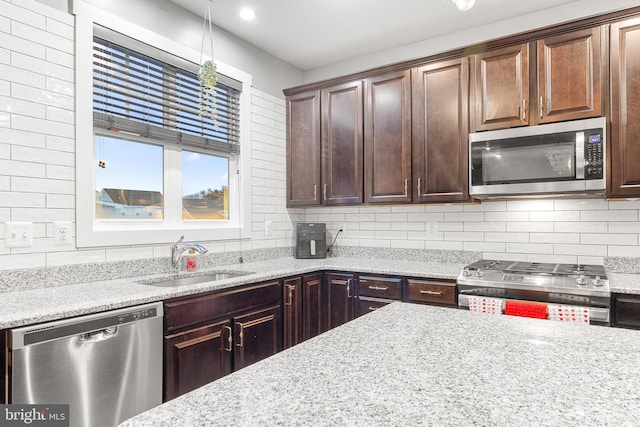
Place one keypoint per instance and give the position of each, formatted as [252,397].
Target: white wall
[562,230]
[37,145]
[571,11]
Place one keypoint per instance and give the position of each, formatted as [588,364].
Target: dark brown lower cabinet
[367,305]
[625,310]
[185,353]
[292,311]
[210,335]
[257,336]
[312,306]
[340,298]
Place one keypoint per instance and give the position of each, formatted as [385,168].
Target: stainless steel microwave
[567,159]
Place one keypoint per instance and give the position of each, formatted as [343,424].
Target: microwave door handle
[580,155]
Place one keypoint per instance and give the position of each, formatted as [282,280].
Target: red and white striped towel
[568,313]
[485,305]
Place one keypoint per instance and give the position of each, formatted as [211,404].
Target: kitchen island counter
[409,364]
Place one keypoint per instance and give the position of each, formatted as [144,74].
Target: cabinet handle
[315,192]
[379,288]
[240,335]
[419,187]
[324,192]
[406,187]
[291,288]
[349,288]
[371,308]
[229,339]
[524,110]
[541,108]
[431,292]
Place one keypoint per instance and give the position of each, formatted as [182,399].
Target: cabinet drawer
[429,291]
[381,287]
[366,305]
[626,311]
[182,312]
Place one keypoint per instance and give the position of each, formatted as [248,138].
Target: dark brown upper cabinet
[570,76]
[625,109]
[501,88]
[303,149]
[440,131]
[342,129]
[387,138]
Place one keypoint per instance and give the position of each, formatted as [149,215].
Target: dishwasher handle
[98,336]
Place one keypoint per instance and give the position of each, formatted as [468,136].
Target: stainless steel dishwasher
[106,366]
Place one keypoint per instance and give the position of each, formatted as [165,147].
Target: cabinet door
[440,131]
[342,144]
[312,324]
[303,149]
[340,294]
[569,76]
[625,108]
[387,138]
[196,357]
[258,335]
[501,88]
[292,310]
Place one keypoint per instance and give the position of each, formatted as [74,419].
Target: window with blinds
[135,93]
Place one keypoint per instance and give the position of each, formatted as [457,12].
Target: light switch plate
[18,234]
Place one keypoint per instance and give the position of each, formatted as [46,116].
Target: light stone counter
[407,365]
[45,304]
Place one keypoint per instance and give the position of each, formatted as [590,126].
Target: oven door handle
[597,314]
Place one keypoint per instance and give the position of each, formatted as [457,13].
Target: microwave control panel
[594,158]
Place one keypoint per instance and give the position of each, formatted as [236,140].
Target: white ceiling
[309,34]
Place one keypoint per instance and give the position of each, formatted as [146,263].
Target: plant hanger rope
[208,71]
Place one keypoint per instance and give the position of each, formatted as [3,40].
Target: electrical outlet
[268,228]
[18,234]
[62,233]
[432,229]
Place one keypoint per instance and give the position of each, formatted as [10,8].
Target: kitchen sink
[181,280]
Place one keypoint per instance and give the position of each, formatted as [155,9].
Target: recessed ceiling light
[247,14]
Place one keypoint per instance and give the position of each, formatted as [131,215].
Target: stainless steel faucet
[178,248]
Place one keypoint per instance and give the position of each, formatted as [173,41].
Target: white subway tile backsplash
[506,237]
[41,37]
[42,96]
[450,226]
[464,216]
[20,261]
[609,239]
[59,143]
[566,259]
[18,44]
[38,185]
[580,204]
[555,216]
[618,215]
[534,227]
[530,205]
[599,260]
[61,172]
[443,245]
[624,227]
[5,58]
[571,238]
[5,185]
[624,204]
[125,254]
[485,226]
[426,217]
[18,13]
[376,243]
[484,246]
[75,257]
[64,201]
[23,77]
[591,250]
[529,248]
[5,88]
[623,251]
[18,137]
[504,256]
[506,216]
[408,226]
[22,169]
[580,227]
[19,106]
[14,199]
[38,155]
[486,207]
[407,244]
[61,29]
[42,214]
[464,236]
[5,151]
[5,24]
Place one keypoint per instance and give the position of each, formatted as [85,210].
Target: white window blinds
[136,93]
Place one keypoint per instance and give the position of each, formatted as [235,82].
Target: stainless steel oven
[567,158]
[575,285]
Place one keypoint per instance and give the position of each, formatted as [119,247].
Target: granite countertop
[409,364]
[45,304]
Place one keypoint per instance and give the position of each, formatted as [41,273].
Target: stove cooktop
[579,279]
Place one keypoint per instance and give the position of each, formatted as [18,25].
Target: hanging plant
[208,74]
